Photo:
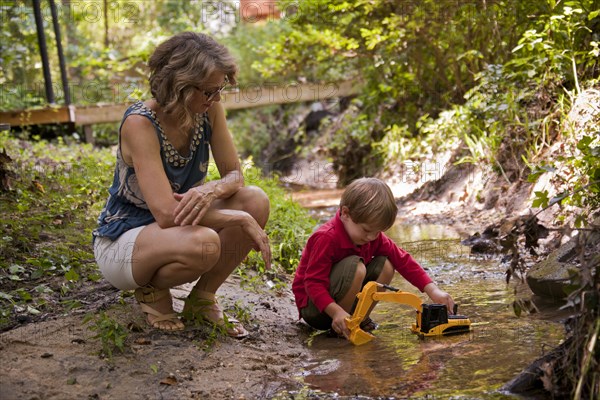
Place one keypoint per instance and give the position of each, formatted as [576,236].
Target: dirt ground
[59,358]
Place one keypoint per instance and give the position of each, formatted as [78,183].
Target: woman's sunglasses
[212,93]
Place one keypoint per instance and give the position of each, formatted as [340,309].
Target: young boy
[350,250]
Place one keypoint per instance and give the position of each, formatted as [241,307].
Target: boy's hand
[338,316]
[438,296]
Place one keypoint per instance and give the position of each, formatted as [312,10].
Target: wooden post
[88,134]
[39,24]
[61,55]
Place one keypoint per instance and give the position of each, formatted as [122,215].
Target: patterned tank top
[126,208]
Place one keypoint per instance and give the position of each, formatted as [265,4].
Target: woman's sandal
[148,295]
[204,305]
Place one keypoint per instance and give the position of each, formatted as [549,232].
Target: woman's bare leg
[235,245]
[165,258]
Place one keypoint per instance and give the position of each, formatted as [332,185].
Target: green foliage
[352,145]
[560,46]
[577,173]
[575,170]
[515,110]
[247,43]
[53,183]
[111,333]
[414,59]
[270,135]
[57,191]
[105,48]
[288,227]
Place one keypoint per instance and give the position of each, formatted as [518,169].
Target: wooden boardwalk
[257,96]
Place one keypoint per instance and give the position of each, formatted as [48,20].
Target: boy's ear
[345,211]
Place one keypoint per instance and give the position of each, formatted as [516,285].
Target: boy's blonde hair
[370,201]
[179,65]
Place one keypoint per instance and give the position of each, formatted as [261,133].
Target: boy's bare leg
[348,300]
[385,277]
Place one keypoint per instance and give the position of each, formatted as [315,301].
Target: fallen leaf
[142,341]
[547,377]
[38,186]
[134,327]
[169,380]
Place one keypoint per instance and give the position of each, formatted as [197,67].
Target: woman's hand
[193,204]
[438,296]
[259,237]
[196,202]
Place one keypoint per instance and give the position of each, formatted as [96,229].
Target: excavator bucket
[359,337]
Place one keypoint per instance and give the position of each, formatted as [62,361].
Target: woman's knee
[203,249]
[255,202]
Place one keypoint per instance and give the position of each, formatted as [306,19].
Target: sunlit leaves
[558,46]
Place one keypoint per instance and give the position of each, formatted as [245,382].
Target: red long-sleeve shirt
[330,244]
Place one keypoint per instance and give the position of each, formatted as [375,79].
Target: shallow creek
[397,364]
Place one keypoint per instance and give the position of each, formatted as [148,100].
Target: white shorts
[114,258]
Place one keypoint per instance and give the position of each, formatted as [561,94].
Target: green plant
[241,313]
[111,333]
[413,60]
[559,46]
[268,135]
[55,192]
[574,170]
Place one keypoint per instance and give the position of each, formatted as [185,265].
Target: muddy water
[398,364]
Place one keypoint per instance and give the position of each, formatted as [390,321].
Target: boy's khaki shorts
[340,280]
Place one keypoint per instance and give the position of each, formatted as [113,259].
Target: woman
[163,225]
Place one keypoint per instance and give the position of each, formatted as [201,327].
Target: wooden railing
[248,97]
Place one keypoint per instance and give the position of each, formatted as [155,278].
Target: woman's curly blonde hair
[181,64]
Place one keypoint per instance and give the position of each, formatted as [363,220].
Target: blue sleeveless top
[126,208]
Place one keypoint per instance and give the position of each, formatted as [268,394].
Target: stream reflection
[473,365]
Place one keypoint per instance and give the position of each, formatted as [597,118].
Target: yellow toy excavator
[432,319]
